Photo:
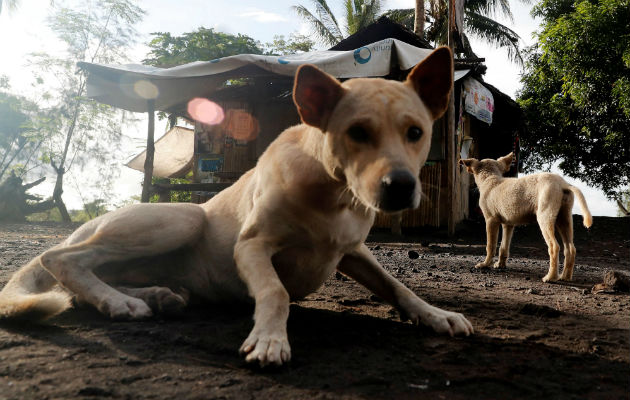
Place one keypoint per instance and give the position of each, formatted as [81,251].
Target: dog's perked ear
[315,93]
[506,161]
[469,163]
[433,79]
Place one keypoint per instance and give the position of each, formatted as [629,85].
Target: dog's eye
[358,134]
[414,134]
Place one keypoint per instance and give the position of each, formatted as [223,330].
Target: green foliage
[20,136]
[295,44]
[576,92]
[78,130]
[361,13]
[176,196]
[90,211]
[49,215]
[201,45]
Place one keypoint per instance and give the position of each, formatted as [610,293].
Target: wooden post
[148,162]
[451,158]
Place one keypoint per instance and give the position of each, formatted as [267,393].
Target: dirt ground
[533,340]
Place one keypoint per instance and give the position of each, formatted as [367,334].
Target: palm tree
[359,14]
[477,22]
[418,19]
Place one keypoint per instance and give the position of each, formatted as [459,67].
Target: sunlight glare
[146,89]
[205,111]
[241,125]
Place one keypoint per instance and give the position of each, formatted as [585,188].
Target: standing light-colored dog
[275,235]
[545,198]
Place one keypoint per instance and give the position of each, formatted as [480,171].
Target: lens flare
[205,111]
[241,125]
[146,89]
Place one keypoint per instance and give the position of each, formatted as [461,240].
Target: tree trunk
[418,21]
[623,209]
[16,204]
[65,216]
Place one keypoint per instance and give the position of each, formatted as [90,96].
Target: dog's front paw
[442,321]
[266,348]
[482,265]
[453,323]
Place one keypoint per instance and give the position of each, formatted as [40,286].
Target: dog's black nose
[397,190]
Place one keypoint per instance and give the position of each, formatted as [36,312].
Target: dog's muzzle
[397,190]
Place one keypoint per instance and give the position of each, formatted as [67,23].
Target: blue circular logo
[282,61]
[362,55]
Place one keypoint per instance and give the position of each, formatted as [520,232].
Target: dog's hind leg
[31,294]
[547,224]
[123,235]
[504,250]
[564,224]
[492,234]
[160,299]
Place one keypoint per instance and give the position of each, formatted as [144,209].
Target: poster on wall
[478,100]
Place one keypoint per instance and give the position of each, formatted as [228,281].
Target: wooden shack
[253,103]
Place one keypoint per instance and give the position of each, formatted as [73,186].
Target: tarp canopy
[131,86]
[173,154]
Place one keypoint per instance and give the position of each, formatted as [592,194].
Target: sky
[259,20]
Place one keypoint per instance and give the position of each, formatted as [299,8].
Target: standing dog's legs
[564,223]
[492,234]
[504,250]
[365,269]
[268,342]
[547,224]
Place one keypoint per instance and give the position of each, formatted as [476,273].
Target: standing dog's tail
[588,218]
[30,295]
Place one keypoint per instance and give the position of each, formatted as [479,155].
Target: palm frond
[495,33]
[327,17]
[328,34]
[403,16]
[361,13]
[490,8]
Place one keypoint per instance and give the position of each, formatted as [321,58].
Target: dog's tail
[588,218]
[31,295]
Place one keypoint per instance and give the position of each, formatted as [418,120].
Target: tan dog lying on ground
[275,235]
[544,197]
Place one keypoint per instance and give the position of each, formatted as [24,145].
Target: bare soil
[533,340]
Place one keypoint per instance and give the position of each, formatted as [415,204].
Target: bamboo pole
[451,160]
[150,154]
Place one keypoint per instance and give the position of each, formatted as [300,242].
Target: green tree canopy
[20,137]
[201,45]
[576,92]
[296,43]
